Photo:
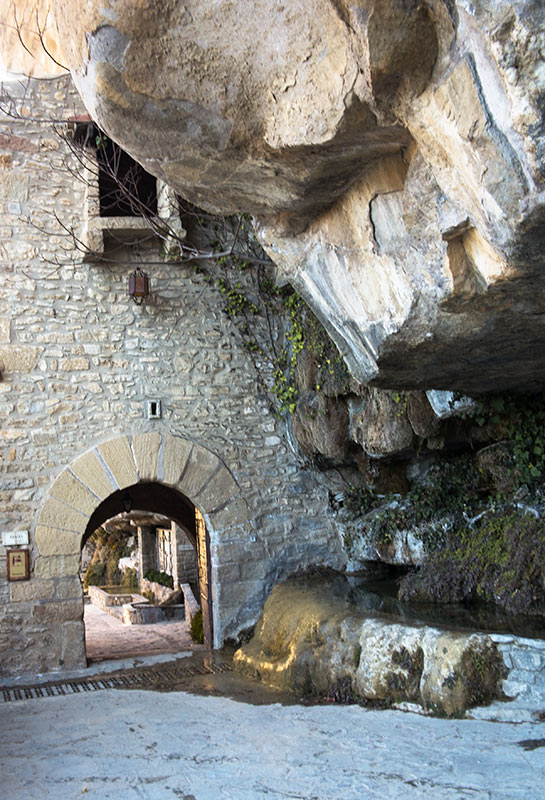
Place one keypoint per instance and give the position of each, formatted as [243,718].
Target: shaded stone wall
[147,550]
[186,561]
[80,363]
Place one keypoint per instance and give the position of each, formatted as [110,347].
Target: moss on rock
[501,561]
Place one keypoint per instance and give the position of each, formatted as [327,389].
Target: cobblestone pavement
[152,745]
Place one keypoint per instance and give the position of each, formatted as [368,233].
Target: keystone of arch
[123,461]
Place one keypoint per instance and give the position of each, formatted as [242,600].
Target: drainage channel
[131,680]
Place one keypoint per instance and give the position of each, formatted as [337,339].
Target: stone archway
[116,464]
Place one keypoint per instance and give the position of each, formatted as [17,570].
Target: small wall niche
[153,409]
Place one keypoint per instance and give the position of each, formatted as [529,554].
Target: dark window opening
[125,188]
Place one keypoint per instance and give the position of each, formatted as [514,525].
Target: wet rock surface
[308,639]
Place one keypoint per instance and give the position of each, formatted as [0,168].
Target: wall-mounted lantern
[138,286]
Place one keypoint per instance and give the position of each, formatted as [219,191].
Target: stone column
[147,550]
[186,558]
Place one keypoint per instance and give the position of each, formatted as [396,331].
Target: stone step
[524,685]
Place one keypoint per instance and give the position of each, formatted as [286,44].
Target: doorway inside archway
[152,542]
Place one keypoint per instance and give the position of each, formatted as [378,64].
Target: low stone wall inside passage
[160,592]
[191,605]
[146,614]
[106,600]
[133,609]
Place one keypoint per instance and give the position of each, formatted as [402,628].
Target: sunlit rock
[29,43]
[390,151]
[308,639]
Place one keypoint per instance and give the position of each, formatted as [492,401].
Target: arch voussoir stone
[55,514]
[118,457]
[124,461]
[69,490]
[54,542]
[205,479]
[146,448]
[176,454]
[234,512]
[90,470]
[200,468]
[217,491]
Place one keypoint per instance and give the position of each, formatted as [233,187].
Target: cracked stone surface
[141,745]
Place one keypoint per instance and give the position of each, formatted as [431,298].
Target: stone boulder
[320,426]
[380,424]
[252,106]
[308,640]
[391,152]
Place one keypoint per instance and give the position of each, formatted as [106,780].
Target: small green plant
[400,399]
[101,140]
[285,325]
[196,628]
[499,560]
[95,575]
[520,420]
[103,570]
[159,577]
[449,491]
[235,302]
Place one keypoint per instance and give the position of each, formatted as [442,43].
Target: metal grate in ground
[129,680]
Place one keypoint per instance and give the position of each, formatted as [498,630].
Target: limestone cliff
[391,152]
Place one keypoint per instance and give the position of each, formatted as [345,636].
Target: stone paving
[147,745]
[106,637]
[223,740]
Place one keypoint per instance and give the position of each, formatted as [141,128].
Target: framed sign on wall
[18,565]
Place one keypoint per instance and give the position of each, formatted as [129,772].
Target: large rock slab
[390,151]
[29,42]
[308,639]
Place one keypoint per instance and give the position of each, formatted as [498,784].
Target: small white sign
[10,538]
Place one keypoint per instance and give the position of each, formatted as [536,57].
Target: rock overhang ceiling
[390,151]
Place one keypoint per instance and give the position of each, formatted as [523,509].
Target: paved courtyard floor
[151,745]
[106,637]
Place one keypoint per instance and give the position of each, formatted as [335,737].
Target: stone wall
[104,600]
[524,680]
[80,362]
[160,592]
[190,604]
[186,562]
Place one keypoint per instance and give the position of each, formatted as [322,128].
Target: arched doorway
[173,474]
[158,498]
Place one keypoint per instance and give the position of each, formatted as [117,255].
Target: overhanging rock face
[392,153]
